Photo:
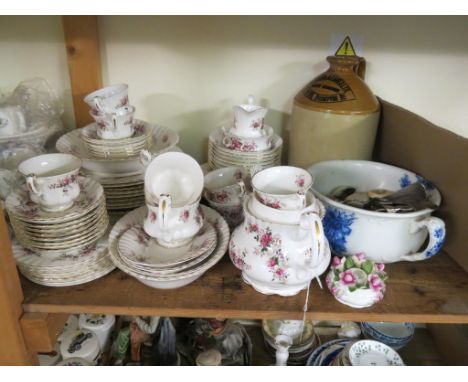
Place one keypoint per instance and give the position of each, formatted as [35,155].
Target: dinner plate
[141,249]
[373,353]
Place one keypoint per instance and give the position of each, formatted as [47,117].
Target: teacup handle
[31,182]
[302,198]
[436,228]
[241,185]
[97,104]
[145,157]
[164,209]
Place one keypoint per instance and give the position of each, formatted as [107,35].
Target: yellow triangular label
[346,48]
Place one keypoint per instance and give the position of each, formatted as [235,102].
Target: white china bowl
[394,334]
[382,237]
[170,281]
[174,174]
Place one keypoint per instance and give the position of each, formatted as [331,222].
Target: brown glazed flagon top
[339,89]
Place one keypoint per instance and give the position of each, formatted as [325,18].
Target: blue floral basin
[382,237]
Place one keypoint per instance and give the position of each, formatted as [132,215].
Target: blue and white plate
[394,334]
[324,355]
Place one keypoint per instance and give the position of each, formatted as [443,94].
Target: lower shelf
[431,291]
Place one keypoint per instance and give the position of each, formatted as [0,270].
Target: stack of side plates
[302,345]
[140,256]
[70,267]
[141,139]
[123,193]
[326,354]
[220,156]
[54,232]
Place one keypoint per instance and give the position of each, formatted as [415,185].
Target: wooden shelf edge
[431,291]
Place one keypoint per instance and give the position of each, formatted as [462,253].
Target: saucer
[139,248]
[373,353]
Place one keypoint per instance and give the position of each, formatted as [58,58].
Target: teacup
[249,144]
[232,213]
[173,226]
[108,99]
[52,180]
[116,125]
[175,174]
[226,185]
[12,120]
[286,216]
[249,119]
[282,187]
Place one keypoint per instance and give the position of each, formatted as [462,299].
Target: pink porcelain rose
[338,262]
[376,283]
[348,278]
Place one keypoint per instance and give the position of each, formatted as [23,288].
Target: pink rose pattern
[341,276]
[258,124]
[184,216]
[238,174]
[152,216]
[219,197]
[238,257]
[300,180]
[270,202]
[269,245]
[235,144]
[65,183]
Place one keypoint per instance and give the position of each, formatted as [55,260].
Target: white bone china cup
[108,99]
[52,180]
[282,187]
[117,125]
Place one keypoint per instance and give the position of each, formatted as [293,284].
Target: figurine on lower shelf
[230,339]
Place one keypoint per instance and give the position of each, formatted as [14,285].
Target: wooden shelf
[431,291]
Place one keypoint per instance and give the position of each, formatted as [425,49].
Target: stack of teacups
[57,218]
[225,189]
[112,112]
[246,142]
[173,188]
[281,194]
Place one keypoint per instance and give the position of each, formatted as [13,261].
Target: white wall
[187,72]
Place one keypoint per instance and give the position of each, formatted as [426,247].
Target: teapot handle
[436,228]
[311,220]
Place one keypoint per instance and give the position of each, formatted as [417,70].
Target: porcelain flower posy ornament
[356,281]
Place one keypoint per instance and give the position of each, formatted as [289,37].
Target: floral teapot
[278,258]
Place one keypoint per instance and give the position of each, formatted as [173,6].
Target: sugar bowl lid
[80,343]
[96,321]
[74,361]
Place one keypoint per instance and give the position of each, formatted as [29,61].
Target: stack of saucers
[118,148]
[246,142]
[303,338]
[57,231]
[142,257]
[326,354]
[121,177]
[69,267]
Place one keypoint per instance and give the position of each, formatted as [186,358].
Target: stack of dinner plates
[59,248]
[220,156]
[140,255]
[70,267]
